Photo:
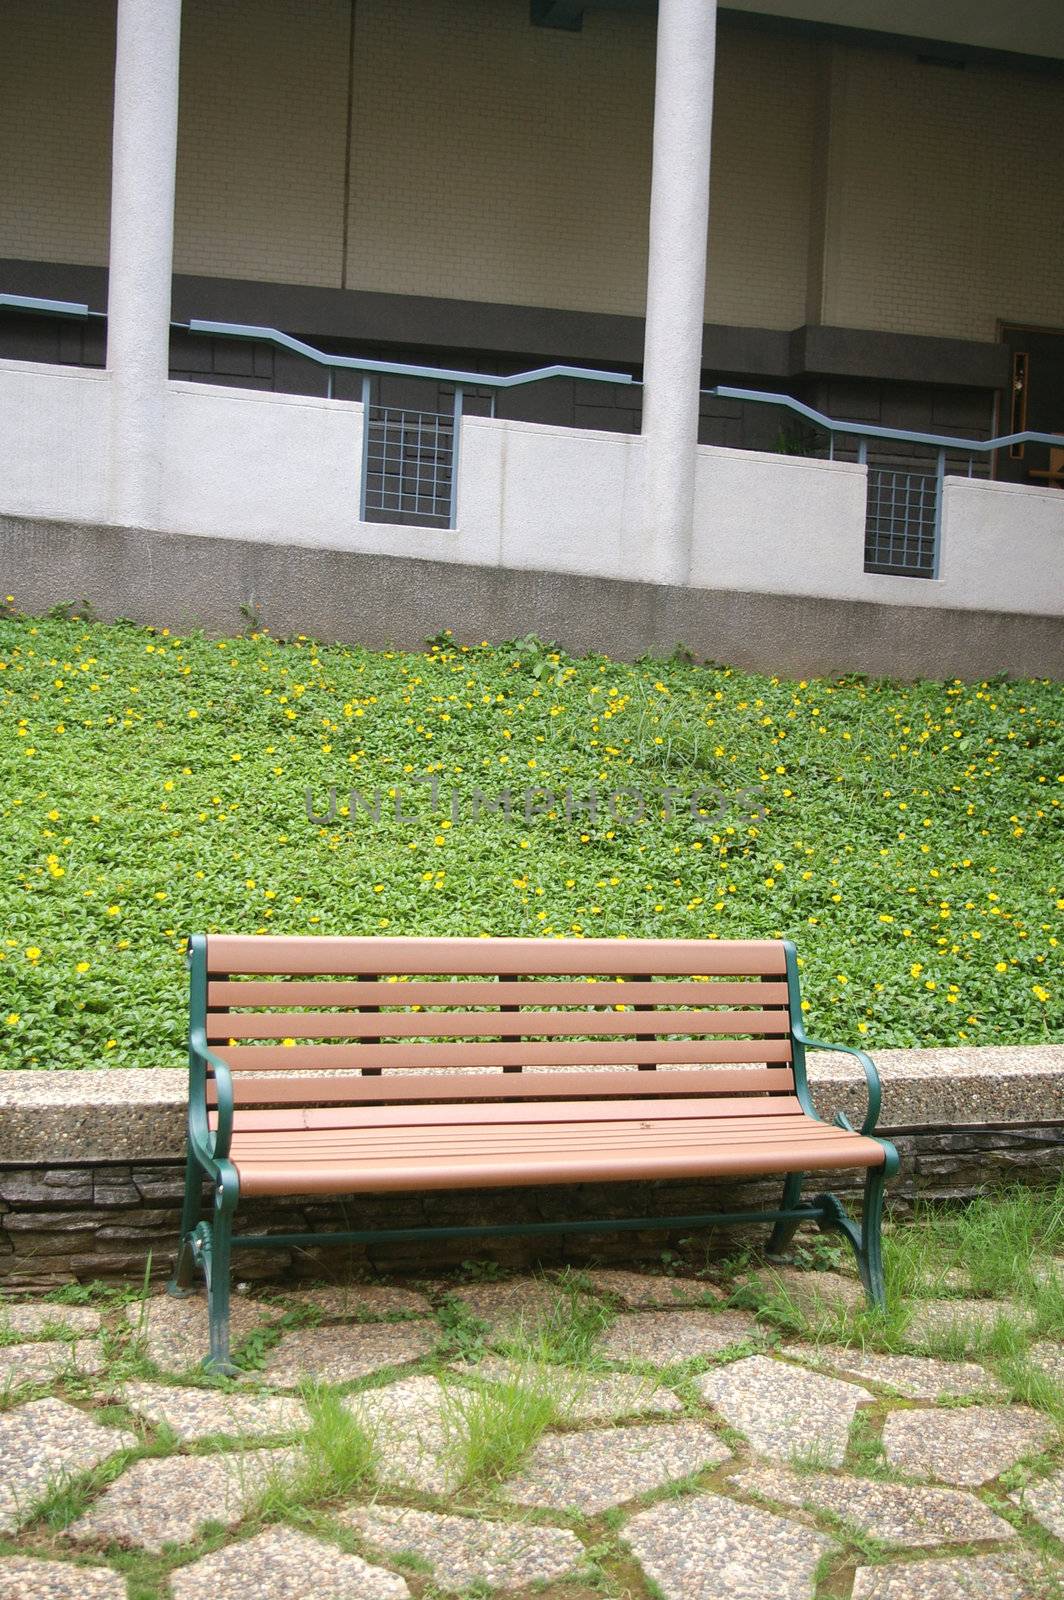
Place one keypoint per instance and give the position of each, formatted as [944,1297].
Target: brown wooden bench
[378,1065]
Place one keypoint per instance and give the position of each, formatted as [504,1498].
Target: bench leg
[866,1240]
[784,1232]
[870,1255]
[183,1281]
[217,1259]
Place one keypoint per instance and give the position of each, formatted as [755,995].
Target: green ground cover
[907,837]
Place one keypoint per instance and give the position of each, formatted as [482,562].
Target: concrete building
[846,205]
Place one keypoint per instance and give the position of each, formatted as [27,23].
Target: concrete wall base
[180,581]
[87,1222]
[91,1177]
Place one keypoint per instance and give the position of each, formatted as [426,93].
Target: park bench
[347,1066]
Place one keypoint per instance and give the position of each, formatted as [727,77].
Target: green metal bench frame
[206,1245]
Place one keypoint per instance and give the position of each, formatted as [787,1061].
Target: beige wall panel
[56,76]
[260,175]
[939,211]
[764,129]
[496,161]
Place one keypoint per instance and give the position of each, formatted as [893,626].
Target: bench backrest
[352,1020]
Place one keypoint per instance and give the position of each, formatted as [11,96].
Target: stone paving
[706,1547]
[23,1576]
[638,1292]
[897,1513]
[282,1564]
[169,1501]
[815,1294]
[466,1550]
[409,1424]
[38,1362]
[934,1319]
[1044,1500]
[785,1412]
[662,1338]
[990,1577]
[343,1354]
[37,1320]
[43,1444]
[204,1413]
[707,1473]
[365,1302]
[915,1377]
[582,1396]
[173,1331]
[968,1446]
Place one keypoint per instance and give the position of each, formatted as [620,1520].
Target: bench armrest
[875,1091]
[201,1053]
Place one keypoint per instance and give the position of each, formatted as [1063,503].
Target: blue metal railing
[903,504]
[868,430]
[410,458]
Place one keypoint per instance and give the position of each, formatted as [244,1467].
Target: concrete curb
[67,1118]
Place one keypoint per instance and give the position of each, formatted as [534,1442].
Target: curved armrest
[875,1092]
[224,1080]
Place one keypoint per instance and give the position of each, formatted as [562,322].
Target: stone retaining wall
[91,1177]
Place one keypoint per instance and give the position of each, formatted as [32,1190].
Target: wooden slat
[374,1147]
[735,1109]
[557,1155]
[465,993]
[315,1146]
[519,1025]
[490,1053]
[450,1088]
[236,953]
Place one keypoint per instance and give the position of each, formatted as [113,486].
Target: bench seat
[381,1149]
[375,1066]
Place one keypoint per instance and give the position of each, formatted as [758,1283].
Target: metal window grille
[901,522]
[409,467]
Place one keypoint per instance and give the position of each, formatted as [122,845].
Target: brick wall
[490,160]
[762,180]
[56,81]
[519,168]
[940,218]
[260,172]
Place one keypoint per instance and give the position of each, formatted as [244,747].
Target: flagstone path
[620,1434]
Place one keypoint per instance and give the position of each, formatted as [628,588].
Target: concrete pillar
[143,163]
[676,280]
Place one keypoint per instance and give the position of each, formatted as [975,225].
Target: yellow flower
[1001,966]
[82,966]
[916,969]
[12,1018]
[32,953]
[1040,993]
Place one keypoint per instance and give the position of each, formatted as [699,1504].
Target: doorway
[1034,400]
